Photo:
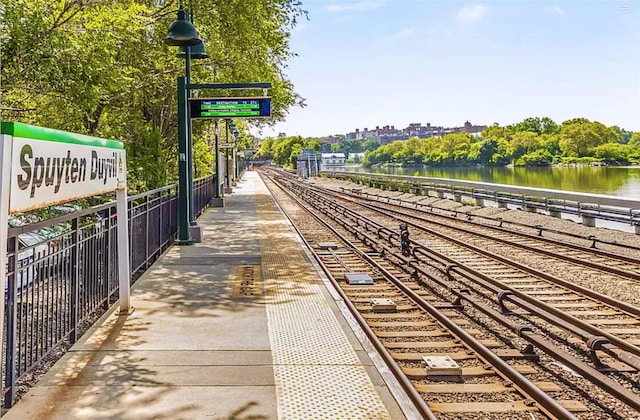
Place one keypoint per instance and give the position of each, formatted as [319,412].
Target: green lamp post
[197,52]
[236,133]
[231,127]
[182,33]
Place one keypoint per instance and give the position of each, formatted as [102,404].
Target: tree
[538,157]
[493,132]
[524,142]
[537,125]
[612,153]
[101,67]
[634,146]
[487,148]
[370,145]
[579,137]
[266,148]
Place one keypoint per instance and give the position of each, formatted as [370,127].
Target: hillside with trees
[532,142]
[284,150]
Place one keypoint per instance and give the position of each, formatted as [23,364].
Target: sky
[368,63]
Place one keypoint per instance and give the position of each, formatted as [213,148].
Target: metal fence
[62,273]
[596,206]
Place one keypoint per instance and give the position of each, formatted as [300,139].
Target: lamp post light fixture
[182,33]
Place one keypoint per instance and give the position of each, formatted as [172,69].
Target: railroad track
[623,266]
[576,309]
[416,329]
[464,251]
[416,201]
[616,317]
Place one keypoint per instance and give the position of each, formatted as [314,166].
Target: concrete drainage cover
[358,279]
[383,305]
[442,366]
[246,282]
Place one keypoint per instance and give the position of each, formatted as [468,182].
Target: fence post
[75,277]
[107,260]
[11,311]
[146,230]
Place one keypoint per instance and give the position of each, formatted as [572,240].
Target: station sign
[41,166]
[226,145]
[257,107]
[51,166]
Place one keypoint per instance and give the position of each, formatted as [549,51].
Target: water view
[622,181]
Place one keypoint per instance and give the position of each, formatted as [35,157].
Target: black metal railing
[62,273]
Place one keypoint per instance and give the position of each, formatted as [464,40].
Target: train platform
[240,326]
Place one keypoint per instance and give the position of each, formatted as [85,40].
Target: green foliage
[580,137]
[570,160]
[284,151]
[532,142]
[536,158]
[101,67]
[612,153]
[536,125]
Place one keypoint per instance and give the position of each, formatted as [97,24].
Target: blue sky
[364,63]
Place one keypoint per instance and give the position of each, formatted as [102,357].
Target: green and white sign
[41,166]
[51,166]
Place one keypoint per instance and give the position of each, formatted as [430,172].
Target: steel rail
[527,334]
[543,310]
[592,374]
[500,228]
[549,348]
[497,219]
[547,404]
[624,306]
[607,269]
[420,404]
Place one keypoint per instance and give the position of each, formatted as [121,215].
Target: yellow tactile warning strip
[317,373]
[246,281]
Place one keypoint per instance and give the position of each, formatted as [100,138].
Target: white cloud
[472,13]
[358,6]
[554,9]
[403,33]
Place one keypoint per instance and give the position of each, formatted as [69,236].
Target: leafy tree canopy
[101,67]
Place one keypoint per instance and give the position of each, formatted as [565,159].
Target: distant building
[329,160]
[388,133]
[473,129]
[357,157]
[467,128]
[308,163]
[365,134]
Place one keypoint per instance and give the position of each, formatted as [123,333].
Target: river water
[622,181]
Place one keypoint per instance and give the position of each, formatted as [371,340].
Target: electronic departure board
[259,107]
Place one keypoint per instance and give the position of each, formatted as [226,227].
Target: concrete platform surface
[239,326]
